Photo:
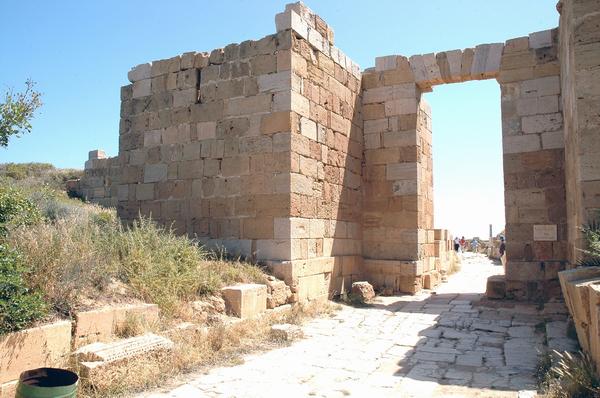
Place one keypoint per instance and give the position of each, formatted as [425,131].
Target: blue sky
[79,52]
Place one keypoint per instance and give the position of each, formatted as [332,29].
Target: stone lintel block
[43,346]
[139,72]
[486,61]
[466,63]
[245,301]
[449,64]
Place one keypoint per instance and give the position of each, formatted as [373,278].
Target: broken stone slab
[98,357]
[121,349]
[286,332]
[363,291]
[246,300]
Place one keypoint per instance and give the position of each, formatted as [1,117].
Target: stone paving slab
[434,344]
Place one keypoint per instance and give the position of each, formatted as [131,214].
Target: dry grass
[197,349]
[566,375]
[78,257]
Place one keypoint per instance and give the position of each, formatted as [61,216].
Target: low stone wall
[100,180]
[581,290]
[48,345]
[101,324]
[51,345]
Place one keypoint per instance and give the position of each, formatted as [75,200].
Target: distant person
[502,246]
[503,252]
[474,245]
[456,244]
[463,244]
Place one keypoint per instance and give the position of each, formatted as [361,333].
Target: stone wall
[323,227]
[534,179]
[101,178]
[282,151]
[580,63]
[206,141]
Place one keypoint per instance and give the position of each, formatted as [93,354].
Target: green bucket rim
[64,390]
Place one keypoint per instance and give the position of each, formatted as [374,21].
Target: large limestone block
[245,301]
[291,20]
[486,61]
[540,39]
[44,346]
[426,70]
[449,63]
[573,275]
[142,88]
[579,291]
[594,330]
[139,72]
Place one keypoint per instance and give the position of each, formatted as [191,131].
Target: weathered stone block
[139,72]
[245,301]
[100,325]
[142,88]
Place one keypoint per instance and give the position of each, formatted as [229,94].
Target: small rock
[387,291]
[363,291]
[278,293]
[286,332]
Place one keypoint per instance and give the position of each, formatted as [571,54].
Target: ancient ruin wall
[258,148]
[534,180]
[205,143]
[580,63]
[100,180]
[326,151]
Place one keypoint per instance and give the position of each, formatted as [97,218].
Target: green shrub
[591,253]
[19,305]
[78,256]
[15,210]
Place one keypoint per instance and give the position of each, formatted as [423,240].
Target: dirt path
[428,345]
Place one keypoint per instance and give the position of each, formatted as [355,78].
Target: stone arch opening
[397,128]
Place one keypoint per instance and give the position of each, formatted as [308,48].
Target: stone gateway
[283,151]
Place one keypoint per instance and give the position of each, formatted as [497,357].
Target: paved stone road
[428,345]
